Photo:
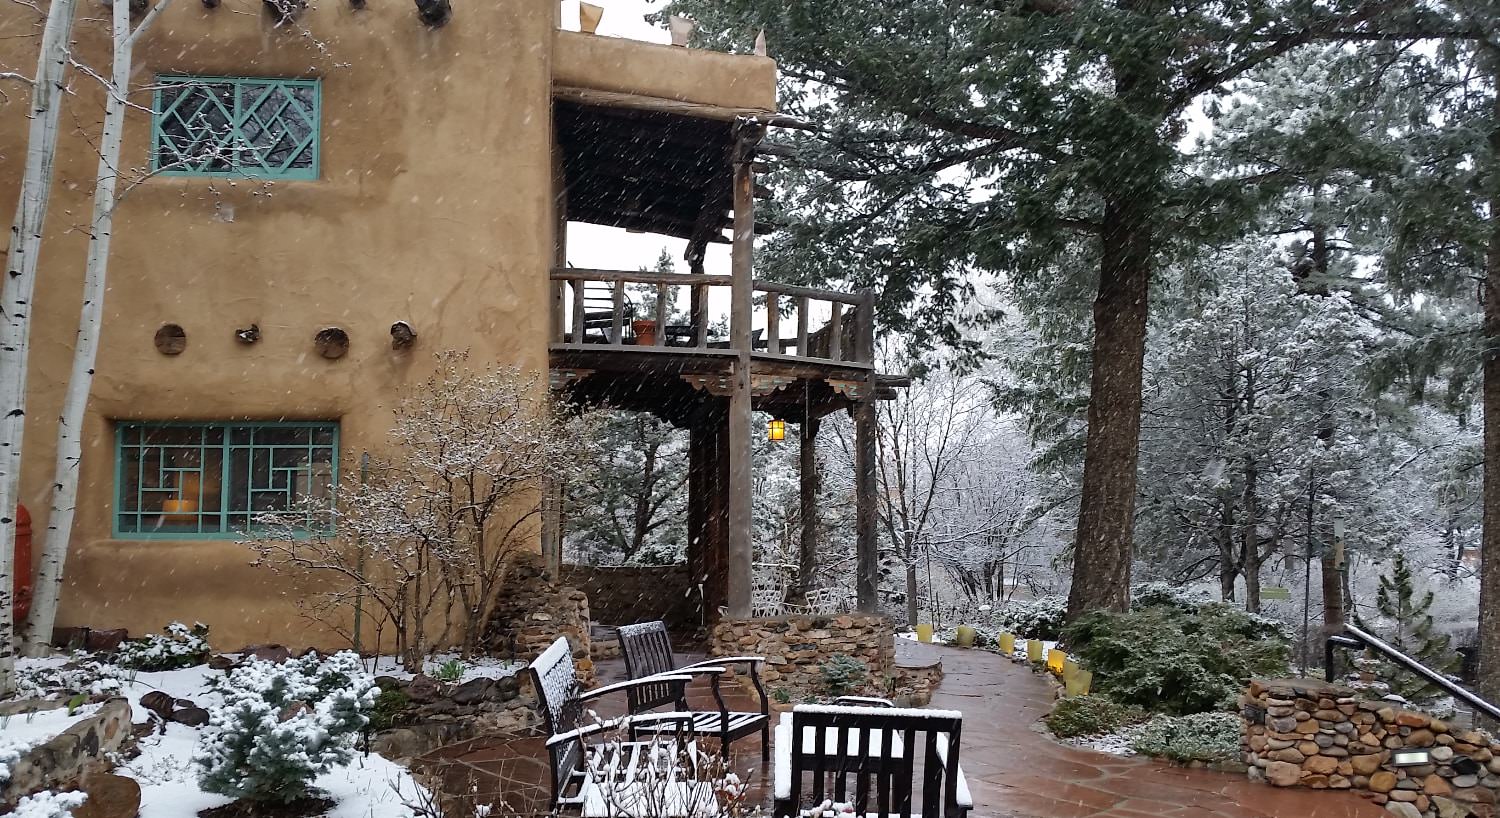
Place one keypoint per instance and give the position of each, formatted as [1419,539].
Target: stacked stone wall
[622,595]
[1307,734]
[796,647]
[534,609]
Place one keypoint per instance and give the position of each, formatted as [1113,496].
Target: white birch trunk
[54,551]
[15,302]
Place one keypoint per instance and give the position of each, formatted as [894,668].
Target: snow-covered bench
[870,754]
[601,776]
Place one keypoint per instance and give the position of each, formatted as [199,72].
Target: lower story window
[223,479]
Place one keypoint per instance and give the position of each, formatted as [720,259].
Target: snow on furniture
[648,652]
[603,777]
[864,751]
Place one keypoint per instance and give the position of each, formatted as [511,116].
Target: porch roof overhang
[650,164]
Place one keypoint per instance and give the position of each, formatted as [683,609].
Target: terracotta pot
[645,333]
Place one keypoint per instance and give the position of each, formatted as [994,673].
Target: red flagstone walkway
[1014,769]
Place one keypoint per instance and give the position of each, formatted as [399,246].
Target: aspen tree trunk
[86,346]
[15,302]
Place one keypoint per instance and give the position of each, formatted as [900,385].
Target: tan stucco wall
[648,69]
[433,207]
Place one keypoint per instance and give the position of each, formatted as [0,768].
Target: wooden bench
[603,777]
[858,754]
[647,650]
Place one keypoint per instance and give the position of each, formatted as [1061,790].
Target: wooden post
[698,297]
[773,324]
[617,315]
[867,557]
[552,494]
[576,335]
[741,548]
[836,332]
[661,315]
[807,552]
[802,305]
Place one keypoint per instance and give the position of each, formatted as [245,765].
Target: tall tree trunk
[16,299]
[910,557]
[1229,566]
[86,347]
[1102,548]
[1489,553]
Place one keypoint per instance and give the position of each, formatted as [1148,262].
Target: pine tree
[1034,138]
[1411,628]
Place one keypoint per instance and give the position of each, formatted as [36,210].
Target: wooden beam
[697,110]
[741,544]
[807,550]
[867,555]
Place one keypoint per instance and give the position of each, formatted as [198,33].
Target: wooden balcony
[810,352]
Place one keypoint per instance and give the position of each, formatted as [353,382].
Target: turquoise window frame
[249,92]
[225,448]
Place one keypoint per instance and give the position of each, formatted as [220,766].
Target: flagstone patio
[1014,769]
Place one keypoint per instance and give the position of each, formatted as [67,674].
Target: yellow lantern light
[1078,684]
[1055,659]
[964,636]
[1034,651]
[924,632]
[1007,643]
[777,431]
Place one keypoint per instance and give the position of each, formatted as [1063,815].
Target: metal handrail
[1357,638]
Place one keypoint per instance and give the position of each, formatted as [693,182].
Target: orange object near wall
[23,564]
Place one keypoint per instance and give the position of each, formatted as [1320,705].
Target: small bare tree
[426,535]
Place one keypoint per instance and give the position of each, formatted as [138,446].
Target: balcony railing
[594,309]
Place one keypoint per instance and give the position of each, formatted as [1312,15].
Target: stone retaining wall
[533,611]
[435,714]
[63,760]
[796,647]
[1304,733]
[621,595]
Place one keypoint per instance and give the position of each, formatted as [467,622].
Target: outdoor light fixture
[777,431]
[1411,758]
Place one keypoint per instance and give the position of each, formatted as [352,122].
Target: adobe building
[328,178]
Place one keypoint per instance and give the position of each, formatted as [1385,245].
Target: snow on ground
[1117,744]
[370,787]
[478,667]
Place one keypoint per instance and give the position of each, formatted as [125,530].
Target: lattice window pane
[219,479]
[237,126]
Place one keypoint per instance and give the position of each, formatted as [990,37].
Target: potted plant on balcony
[645,332]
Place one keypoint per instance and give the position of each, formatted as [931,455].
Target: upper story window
[236,126]
[211,480]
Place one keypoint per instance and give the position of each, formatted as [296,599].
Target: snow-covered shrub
[1160,593]
[87,676]
[1040,618]
[843,674]
[1090,716]
[48,804]
[181,646]
[1169,660]
[1207,737]
[280,726]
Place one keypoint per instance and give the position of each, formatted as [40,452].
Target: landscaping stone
[1350,745]
[159,703]
[110,796]
[63,761]
[190,716]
